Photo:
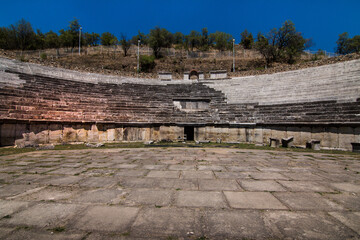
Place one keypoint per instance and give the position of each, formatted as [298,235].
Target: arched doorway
[194,74]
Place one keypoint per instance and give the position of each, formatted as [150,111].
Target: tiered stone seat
[340,82]
[327,94]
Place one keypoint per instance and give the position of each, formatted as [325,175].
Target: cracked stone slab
[253,200]
[163,174]
[233,175]
[244,224]
[197,175]
[44,215]
[170,223]
[68,171]
[350,201]
[303,176]
[64,180]
[10,207]
[181,167]
[307,201]
[98,182]
[268,176]
[107,218]
[261,185]
[155,197]
[131,173]
[104,196]
[306,186]
[44,235]
[6,231]
[154,167]
[48,194]
[307,225]
[15,189]
[348,187]
[218,184]
[350,219]
[216,168]
[200,199]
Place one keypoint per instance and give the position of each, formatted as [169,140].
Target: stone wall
[330,137]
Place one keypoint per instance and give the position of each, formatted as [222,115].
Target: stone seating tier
[54,99]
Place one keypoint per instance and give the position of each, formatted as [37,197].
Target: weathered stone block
[346,137]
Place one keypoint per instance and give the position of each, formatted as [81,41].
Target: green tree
[283,44]
[66,38]
[204,42]
[74,28]
[108,39]
[178,38]
[347,45]
[52,40]
[91,39]
[125,44]
[194,39]
[354,44]
[39,40]
[159,38]
[247,39]
[144,39]
[343,43]
[7,38]
[24,34]
[222,40]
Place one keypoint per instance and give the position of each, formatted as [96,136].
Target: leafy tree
[65,38]
[247,39]
[283,44]
[108,39]
[39,40]
[74,28]
[144,39]
[92,39]
[125,44]
[204,42]
[24,34]
[347,45]
[52,40]
[7,38]
[194,39]
[222,40]
[355,44]
[178,38]
[159,38]
[343,43]
[265,49]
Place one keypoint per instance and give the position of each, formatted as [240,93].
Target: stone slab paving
[179,193]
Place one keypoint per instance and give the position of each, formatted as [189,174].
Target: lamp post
[233,54]
[80,40]
[138,58]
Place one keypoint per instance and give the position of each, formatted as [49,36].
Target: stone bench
[218,74]
[355,147]
[313,144]
[165,76]
[287,142]
[274,142]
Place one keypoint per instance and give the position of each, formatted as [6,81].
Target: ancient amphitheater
[49,105]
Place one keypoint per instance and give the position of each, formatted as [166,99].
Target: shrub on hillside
[147,63]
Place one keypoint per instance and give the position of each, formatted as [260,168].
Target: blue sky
[322,20]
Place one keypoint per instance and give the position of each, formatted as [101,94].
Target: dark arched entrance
[193,73]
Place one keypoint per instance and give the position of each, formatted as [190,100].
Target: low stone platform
[182,193]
